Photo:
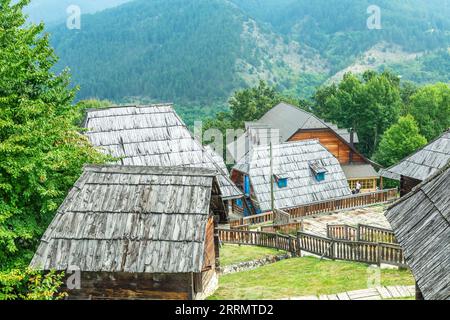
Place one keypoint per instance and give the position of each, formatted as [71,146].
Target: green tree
[369,105]
[430,106]
[41,149]
[30,285]
[399,141]
[252,103]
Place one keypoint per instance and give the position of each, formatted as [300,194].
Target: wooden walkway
[378,293]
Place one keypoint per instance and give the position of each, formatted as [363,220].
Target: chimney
[352,144]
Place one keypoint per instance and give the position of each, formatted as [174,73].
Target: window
[280,181]
[365,184]
[319,170]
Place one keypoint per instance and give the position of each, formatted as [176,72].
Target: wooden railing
[342,232]
[286,228]
[360,251]
[375,234]
[353,201]
[361,232]
[262,239]
[328,206]
[244,227]
[281,217]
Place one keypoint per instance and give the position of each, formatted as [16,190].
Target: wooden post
[272,199]
[378,254]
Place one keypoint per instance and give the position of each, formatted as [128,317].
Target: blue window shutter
[246,185]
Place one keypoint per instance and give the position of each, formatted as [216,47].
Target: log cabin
[136,233]
[303,172]
[421,223]
[285,122]
[420,165]
[153,135]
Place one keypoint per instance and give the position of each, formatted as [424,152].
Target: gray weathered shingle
[292,160]
[130,219]
[286,119]
[151,135]
[421,222]
[424,162]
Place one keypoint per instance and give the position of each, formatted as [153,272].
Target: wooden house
[285,122]
[421,222]
[136,233]
[421,164]
[153,135]
[303,172]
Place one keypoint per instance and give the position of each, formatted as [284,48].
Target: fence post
[299,252]
[358,235]
[378,254]
[332,250]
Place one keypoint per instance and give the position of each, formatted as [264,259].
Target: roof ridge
[120,106]
[155,170]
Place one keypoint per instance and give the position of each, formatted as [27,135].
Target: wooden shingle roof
[421,222]
[130,219]
[292,161]
[286,119]
[424,162]
[152,135]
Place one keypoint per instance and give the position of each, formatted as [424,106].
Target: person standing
[358,187]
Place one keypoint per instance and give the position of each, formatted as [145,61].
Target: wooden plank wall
[209,261]
[132,286]
[329,140]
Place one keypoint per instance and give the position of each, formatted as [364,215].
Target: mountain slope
[199,51]
[338,28]
[178,50]
[55,11]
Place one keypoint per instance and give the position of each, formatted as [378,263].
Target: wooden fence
[361,232]
[359,251]
[262,239]
[342,232]
[353,201]
[285,228]
[375,234]
[244,227]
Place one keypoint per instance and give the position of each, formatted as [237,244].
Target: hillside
[199,51]
[54,11]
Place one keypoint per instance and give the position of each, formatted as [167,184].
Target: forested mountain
[55,11]
[199,51]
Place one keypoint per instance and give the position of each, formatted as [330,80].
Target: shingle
[424,162]
[421,224]
[118,218]
[293,159]
[152,135]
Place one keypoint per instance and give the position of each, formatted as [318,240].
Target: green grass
[302,277]
[232,254]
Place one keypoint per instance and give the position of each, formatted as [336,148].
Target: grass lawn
[233,254]
[302,277]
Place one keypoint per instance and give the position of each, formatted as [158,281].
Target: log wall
[331,141]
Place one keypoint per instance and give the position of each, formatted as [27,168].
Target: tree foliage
[399,141]
[41,149]
[369,105]
[30,285]
[430,106]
